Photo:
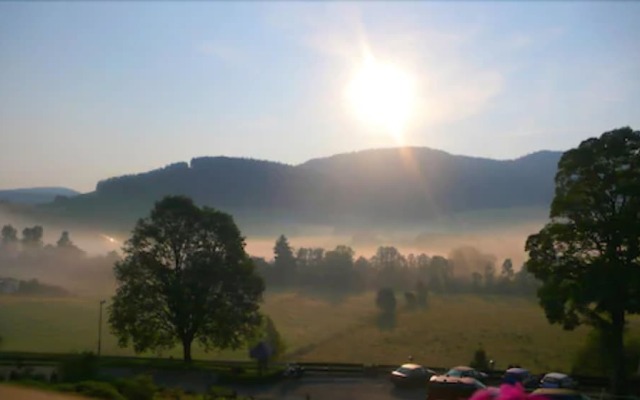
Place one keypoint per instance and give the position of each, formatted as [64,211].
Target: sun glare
[382,95]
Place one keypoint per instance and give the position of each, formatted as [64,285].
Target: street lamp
[100,327]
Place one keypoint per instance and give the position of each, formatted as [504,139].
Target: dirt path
[20,393]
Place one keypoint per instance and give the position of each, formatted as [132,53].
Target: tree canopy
[588,255]
[185,276]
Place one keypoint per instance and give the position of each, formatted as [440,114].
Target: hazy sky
[90,90]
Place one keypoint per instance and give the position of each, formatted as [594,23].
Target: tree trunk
[186,349]
[619,370]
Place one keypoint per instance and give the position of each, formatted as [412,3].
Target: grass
[511,330]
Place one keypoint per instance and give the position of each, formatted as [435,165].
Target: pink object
[506,392]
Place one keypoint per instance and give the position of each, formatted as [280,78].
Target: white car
[557,380]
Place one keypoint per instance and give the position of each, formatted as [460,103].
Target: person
[410,358]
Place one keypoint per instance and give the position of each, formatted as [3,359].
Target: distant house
[9,285]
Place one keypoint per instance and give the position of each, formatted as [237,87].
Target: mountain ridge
[376,187]
[35,195]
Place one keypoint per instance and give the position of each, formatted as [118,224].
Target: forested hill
[38,195]
[369,187]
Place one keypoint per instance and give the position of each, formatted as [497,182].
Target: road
[332,388]
[18,393]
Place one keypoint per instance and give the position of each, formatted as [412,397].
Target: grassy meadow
[512,330]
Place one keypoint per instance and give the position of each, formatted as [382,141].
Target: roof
[444,379]
[516,371]
[411,366]
[556,375]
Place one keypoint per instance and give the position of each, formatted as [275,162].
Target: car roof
[454,379]
[556,375]
[555,391]
[462,368]
[411,366]
[516,371]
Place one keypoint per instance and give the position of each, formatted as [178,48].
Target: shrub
[140,387]
[98,390]
[81,367]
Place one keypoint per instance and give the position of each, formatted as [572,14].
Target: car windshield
[457,373]
[406,371]
[517,375]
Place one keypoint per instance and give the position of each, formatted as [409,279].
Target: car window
[454,372]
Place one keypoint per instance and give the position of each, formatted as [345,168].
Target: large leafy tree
[185,276]
[588,255]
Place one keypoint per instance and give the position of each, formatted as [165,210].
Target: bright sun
[382,95]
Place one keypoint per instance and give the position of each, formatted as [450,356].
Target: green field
[512,330]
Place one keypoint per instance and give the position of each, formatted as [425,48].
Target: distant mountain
[396,186]
[38,195]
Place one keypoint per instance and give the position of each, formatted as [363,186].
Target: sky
[90,90]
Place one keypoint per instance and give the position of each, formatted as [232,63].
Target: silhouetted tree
[32,237]
[440,274]
[389,262]
[489,277]
[64,240]
[9,235]
[284,262]
[338,265]
[507,270]
[411,301]
[422,294]
[588,255]
[185,276]
[386,300]
[476,281]
[309,257]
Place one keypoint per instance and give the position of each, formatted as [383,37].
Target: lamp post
[100,327]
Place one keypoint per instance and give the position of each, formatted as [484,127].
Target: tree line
[338,271]
[25,256]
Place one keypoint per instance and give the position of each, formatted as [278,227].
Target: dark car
[411,375]
[561,394]
[557,380]
[445,387]
[467,372]
[522,376]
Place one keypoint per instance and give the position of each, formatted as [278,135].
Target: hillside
[367,188]
[39,195]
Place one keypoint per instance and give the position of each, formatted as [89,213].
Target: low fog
[89,272]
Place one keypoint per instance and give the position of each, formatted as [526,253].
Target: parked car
[464,372]
[444,387]
[561,394]
[411,375]
[557,380]
[522,376]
